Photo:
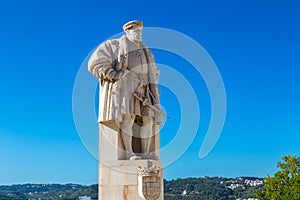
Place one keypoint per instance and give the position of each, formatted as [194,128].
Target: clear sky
[254,44]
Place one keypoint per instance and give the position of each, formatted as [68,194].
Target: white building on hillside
[84,198]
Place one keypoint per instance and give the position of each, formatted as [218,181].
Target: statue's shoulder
[146,48]
[113,43]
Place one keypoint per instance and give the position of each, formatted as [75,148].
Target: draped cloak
[116,97]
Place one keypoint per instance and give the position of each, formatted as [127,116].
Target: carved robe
[116,96]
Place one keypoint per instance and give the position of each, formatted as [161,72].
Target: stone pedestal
[119,178]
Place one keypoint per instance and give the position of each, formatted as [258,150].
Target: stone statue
[129,94]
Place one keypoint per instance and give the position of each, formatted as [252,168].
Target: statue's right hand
[113,75]
[110,75]
[120,74]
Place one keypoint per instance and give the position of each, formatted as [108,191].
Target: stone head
[133,30]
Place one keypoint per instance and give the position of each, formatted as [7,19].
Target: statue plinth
[121,179]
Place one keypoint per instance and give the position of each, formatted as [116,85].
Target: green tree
[285,185]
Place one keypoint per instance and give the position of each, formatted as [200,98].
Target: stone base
[118,180]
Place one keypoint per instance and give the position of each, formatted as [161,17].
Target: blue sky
[255,45]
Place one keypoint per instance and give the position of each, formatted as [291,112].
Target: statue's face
[134,34]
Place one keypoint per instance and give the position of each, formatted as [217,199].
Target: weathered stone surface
[119,179]
[129,97]
[129,117]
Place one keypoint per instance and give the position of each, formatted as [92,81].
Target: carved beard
[135,37]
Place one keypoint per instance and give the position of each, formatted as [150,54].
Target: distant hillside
[47,191]
[207,188]
[212,188]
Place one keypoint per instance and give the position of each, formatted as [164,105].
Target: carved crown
[148,171]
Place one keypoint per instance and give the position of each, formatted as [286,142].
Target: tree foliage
[285,185]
